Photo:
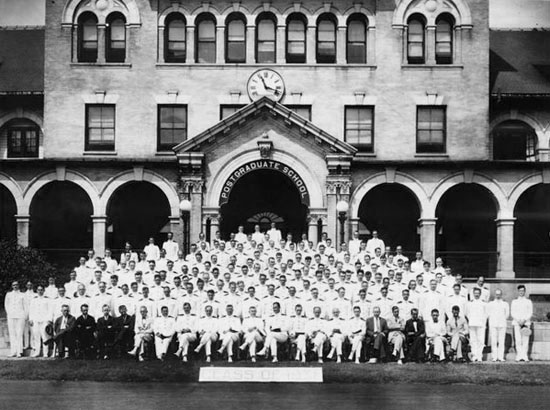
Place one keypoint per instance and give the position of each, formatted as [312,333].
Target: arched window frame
[530,143]
[23,138]
[268,42]
[416,39]
[115,38]
[235,43]
[175,48]
[356,48]
[444,39]
[326,39]
[205,46]
[296,41]
[87,38]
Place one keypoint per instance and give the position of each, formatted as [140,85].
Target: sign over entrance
[265,164]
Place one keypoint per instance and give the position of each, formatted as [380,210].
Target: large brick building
[431,127]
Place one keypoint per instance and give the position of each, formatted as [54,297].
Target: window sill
[100,153]
[431,67]
[431,155]
[365,155]
[165,153]
[278,65]
[102,65]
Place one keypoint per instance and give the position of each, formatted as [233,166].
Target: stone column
[312,229]
[353,225]
[332,217]
[310,44]
[430,45]
[23,229]
[280,44]
[176,227]
[341,45]
[250,44]
[371,45]
[99,233]
[190,45]
[101,43]
[160,57]
[427,238]
[214,226]
[505,248]
[405,51]
[220,44]
[194,188]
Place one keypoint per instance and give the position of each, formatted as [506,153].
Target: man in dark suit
[64,333]
[106,332]
[415,332]
[124,339]
[377,333]
[85,328]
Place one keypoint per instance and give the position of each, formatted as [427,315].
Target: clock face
[265,83]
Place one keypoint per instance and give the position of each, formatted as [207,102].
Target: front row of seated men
[383,339]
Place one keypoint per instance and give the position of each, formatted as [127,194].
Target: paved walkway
[45,395]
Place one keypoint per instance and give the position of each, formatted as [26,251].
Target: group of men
[253,291]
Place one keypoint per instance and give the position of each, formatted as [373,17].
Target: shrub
[22,264]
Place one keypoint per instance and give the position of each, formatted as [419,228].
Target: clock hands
[275,91]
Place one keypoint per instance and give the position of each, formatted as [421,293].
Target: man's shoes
[229,359]
[184,359]
[400,362]
[320,360]
[253,359]
[339,359]
[373,360]
[357,361]
[141,359]
[275,360]
[242,347]
[208,359]
[132,352]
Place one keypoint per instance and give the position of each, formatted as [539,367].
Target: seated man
[143,331]
[377,331]
[457,330]
[254,333]
[208,332]
[396,337]
[435,336]
[186,330]
[229,330]
[356,334]
[164,327]
[64,333]
[297,332]
[124,331]
[415,334]
[277,332]
[316,331]
[85,327]
[336,334]
[106,332]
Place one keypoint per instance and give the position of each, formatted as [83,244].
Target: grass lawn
[174,371]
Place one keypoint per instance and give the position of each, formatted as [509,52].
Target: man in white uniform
[521,312]
[164,327]
[476,313]
[336,333]
[297,332]
[171,247]
[208,332]
[186,330]
[277,332]
[375,243]
[253,329]
[39,317]
[143,333]
[316,331]
[356,333]
[435,335]
[498,312]
[230,328]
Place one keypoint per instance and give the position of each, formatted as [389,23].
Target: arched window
[326,40]
[22,135]
[357,40]
[87,38]
[115,38]
[206,39]
[175,39]
[514,140]
[444,40]
[235,39]
[266,39]
[296,39]
[415,40]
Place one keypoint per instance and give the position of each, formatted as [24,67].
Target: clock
[265,83]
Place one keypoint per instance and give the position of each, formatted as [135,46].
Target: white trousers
[522,344]
[227,342]
[477,340]
[397,339]
[498,336]
[318,342]
[251,339]
[15,330]
[356,346]
[206,341]
[336,341]
[161,346]
[301,344]
[272,339]
[39,336]
[184,340]
[439,346]
[139,344]
[27,335]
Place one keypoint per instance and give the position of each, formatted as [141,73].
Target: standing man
[522,311]
[39,317]
[498,312]
[476,313]
[15,306]
[171,247]
[375,243]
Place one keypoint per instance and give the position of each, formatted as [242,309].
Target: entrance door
[262,197]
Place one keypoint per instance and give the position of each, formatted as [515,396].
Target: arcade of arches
[466,224]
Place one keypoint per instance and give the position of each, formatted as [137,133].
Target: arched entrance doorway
[532,233]
[8,209]
[60,222]
[135,212]
[393,211]
[261,197]
[466,230]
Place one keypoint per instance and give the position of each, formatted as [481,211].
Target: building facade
[275,112]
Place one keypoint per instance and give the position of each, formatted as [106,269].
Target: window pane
[207,53]
[236,51]
[207,31]
[358,127]
[296,48]
[266,30]
[176,31]
[326,31]
[296,30]
[356,53]
[236,31]
[356,31]
[89,31]
[118,30]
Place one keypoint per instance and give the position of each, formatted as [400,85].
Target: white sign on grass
[261,374]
